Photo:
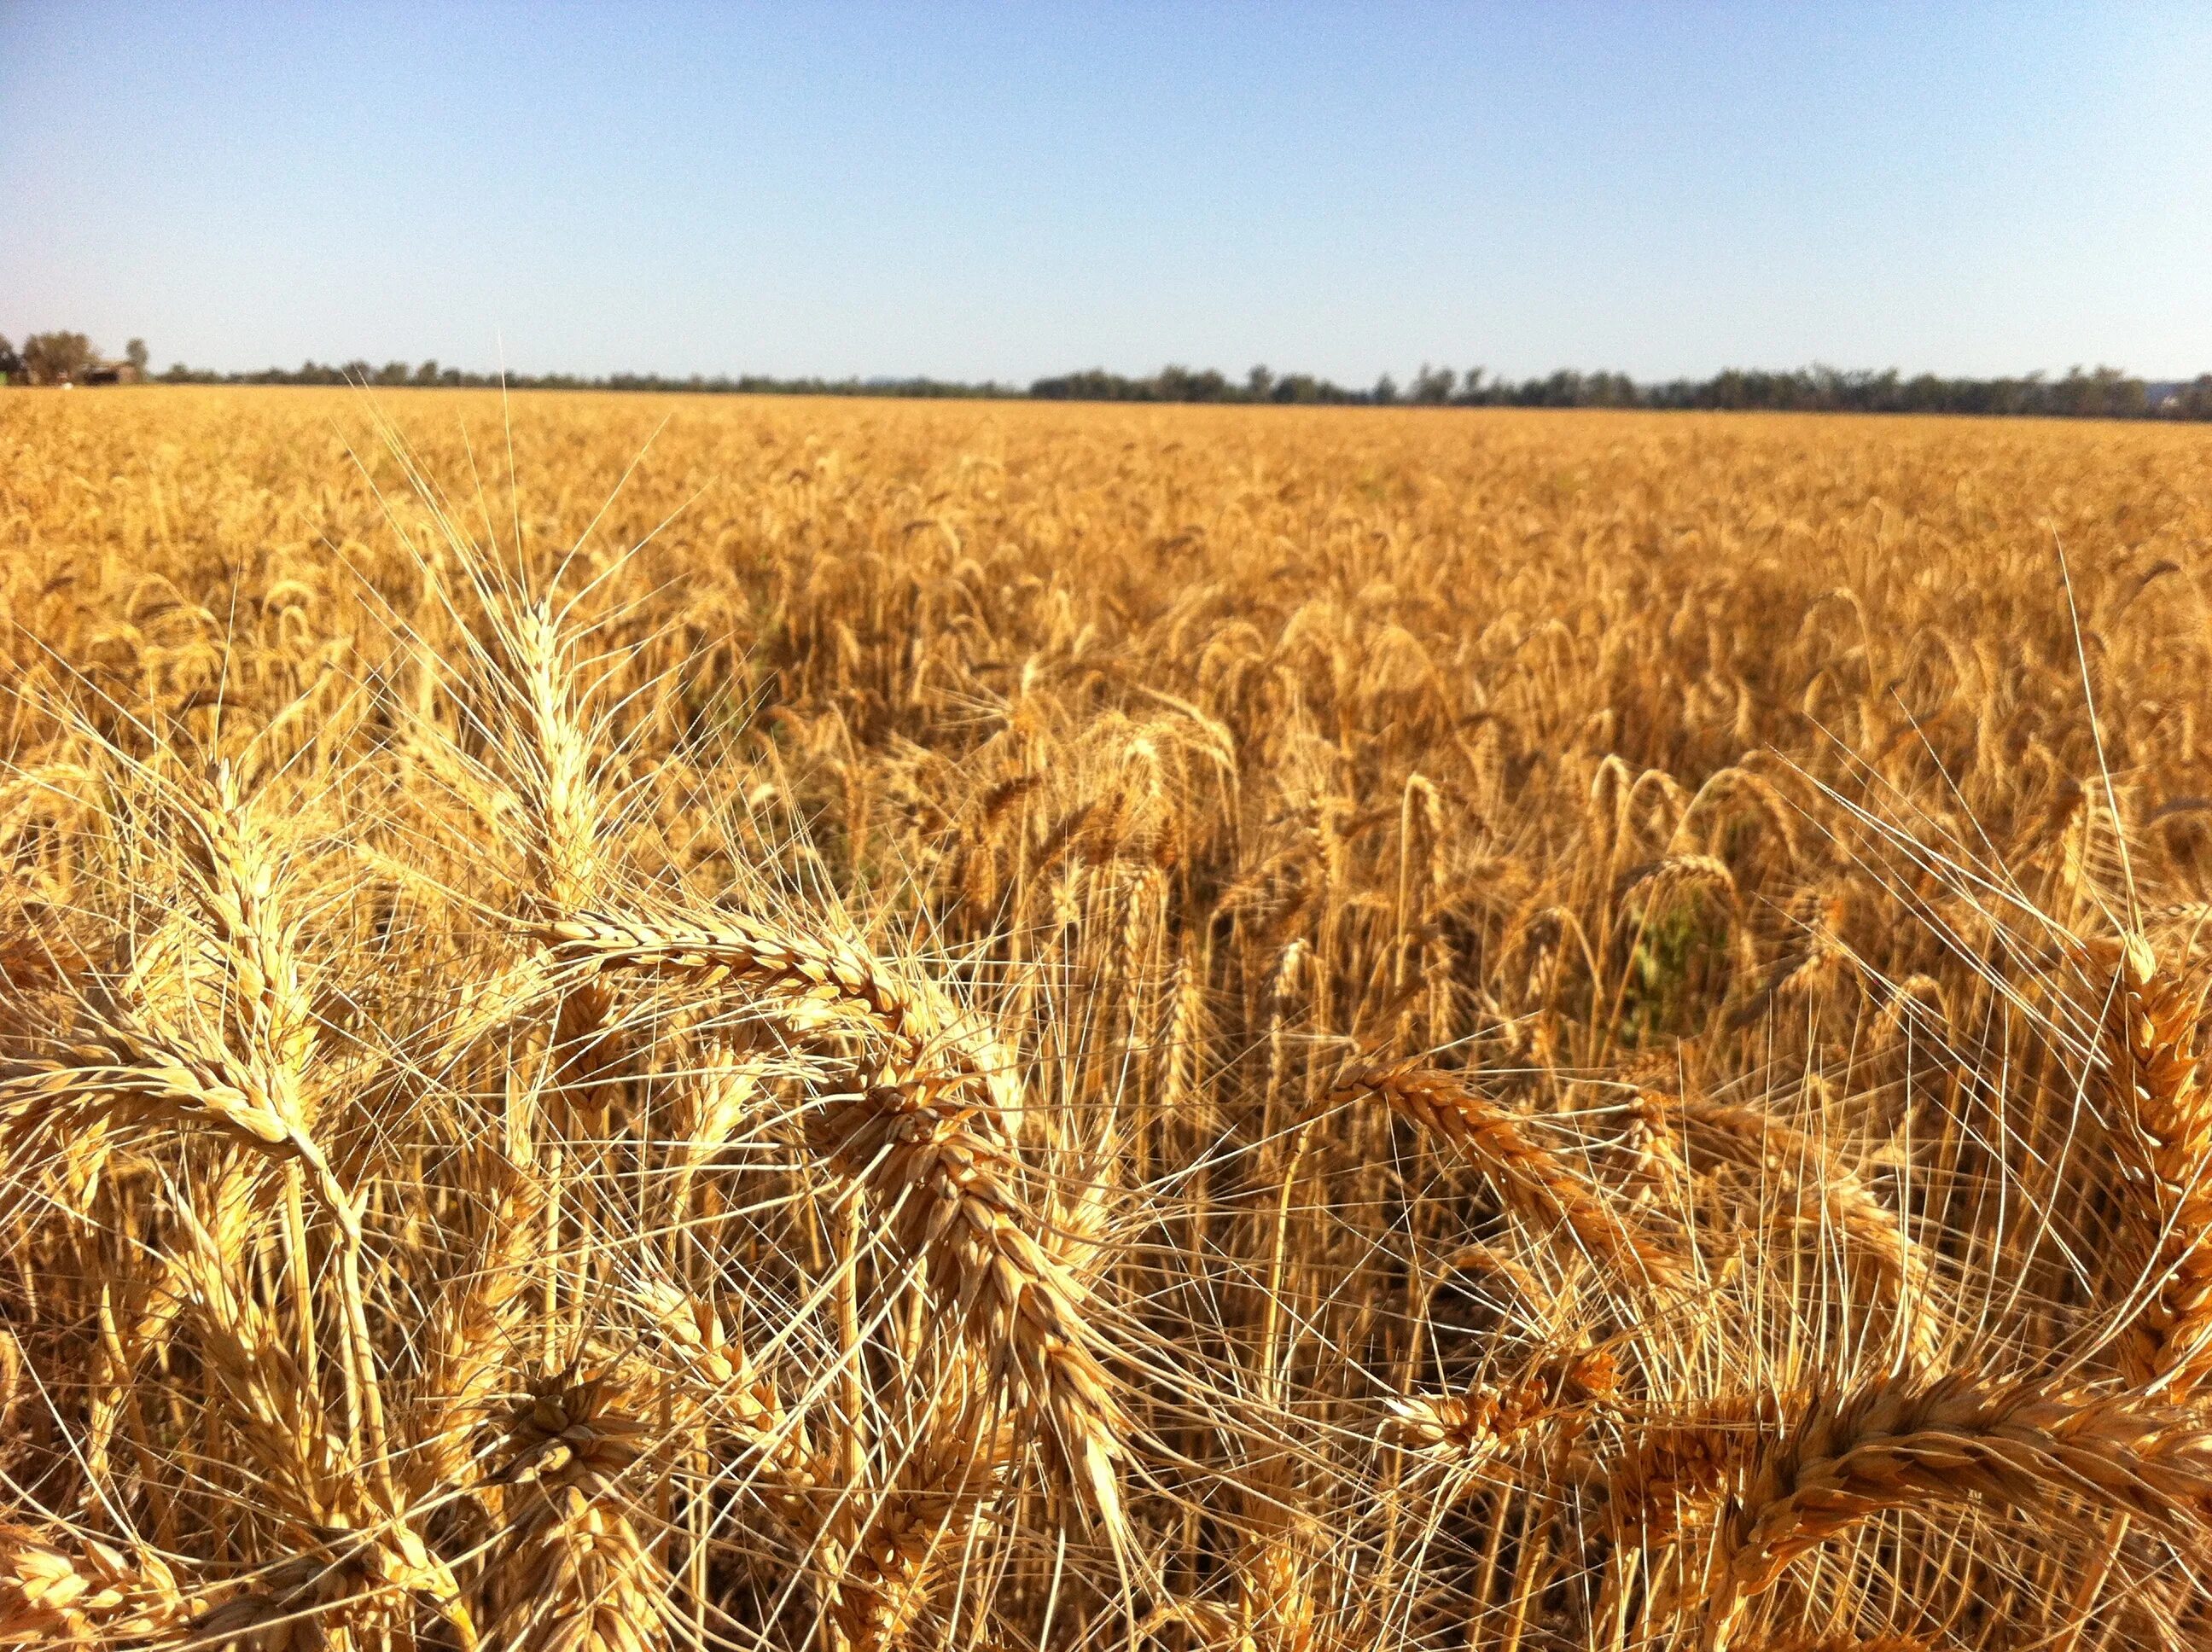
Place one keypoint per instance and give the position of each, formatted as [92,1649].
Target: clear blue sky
[1009,191]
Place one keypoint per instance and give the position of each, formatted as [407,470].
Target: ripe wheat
[893,1028]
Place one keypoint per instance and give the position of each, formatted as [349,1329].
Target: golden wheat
[661,1022]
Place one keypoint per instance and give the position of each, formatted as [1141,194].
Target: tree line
[428,375]
[2102,393]
[53,358]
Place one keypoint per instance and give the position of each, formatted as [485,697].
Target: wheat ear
[947,1185]
[132,1066]
[1530,1178]
[1756,1141]
[934,1149]
[2155,1085]
[930,1032]
[1900,1442]
[56,1592]
[571,1571]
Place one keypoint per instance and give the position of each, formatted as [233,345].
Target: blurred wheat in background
[645,1023]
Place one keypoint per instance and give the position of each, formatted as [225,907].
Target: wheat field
[645,1022]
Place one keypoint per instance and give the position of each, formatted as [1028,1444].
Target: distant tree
[1608,390]
[2108,393]
[1182,383]
[137,353]
[2193,400]
[1432,386]
[1385,391]
[11,363]
[57,358]
[427,372]
[1259,383]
